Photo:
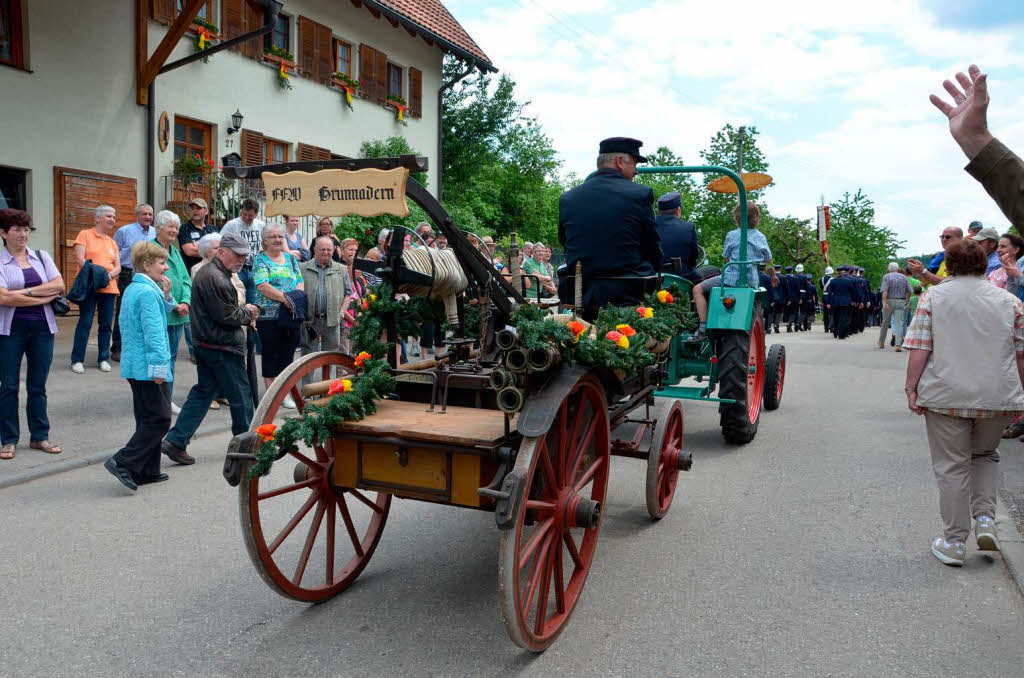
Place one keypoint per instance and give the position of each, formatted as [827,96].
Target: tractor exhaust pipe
[544,358]
[517,360]
[510,400]
[501,379]
[506,339]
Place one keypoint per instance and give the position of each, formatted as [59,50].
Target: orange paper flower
[645,311]
[362,357]
[664,297]
[266,432]
[365,305]
[577,328]
[339,386]
[626,330]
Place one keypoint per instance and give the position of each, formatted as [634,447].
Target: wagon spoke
[348,525]
[362,497]
[536,505]
[329,566]
[304,459]
[549,472]
[300,404]
[567,444]
[538,574]
[287,488]
[296,519]
[321,453]
[545,587]
[562,442]
[541,532]
[559,584]
[570,546]
[307,548]
[589,475]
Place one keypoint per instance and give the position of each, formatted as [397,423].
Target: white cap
[799,268]
[828,270]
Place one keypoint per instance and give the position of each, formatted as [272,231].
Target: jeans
[220,373]
[140,456]
[31,338]
[896,311]
[317,336]
[188,340]
[174,337]
[124,278]
[103,306]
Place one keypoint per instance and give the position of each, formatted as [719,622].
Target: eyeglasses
[945,237]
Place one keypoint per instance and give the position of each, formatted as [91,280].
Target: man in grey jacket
[324,282]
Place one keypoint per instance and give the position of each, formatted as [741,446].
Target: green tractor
[732,359]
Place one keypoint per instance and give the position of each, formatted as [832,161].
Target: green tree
[666,183]
[854,238]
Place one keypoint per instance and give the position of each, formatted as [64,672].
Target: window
[12,189]
[274,151]
[204,13]
[342,57]
[191,137]
[11,37]
[394,80]
[280,37]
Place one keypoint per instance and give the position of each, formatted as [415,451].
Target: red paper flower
[626,330]
[362,357]
[339,386]
[266,432]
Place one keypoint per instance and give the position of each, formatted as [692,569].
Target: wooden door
[76,195]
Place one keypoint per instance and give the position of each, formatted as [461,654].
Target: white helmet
[828,270]
[799,268]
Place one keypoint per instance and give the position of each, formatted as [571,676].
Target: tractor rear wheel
[741,368]
[775,377]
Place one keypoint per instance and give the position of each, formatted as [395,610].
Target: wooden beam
[141,48]
[174,34]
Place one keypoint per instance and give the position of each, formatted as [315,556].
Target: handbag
[60,305]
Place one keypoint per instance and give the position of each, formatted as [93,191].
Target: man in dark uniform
[858,301]
[607,223]
[840,292]
[792,298]
[778,294]
[678,237]
[812,302]
[826,313]
[765,281]
[805,295]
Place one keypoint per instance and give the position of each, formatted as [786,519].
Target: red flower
[266,432]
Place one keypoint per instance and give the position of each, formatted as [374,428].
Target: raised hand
[1010,265]
[968,115]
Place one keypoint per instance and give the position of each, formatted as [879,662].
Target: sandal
[7,452]
[1013,431]
[45,446]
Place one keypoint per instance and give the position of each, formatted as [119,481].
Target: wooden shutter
[325,62]
[415,92]
[308,153]
[380,76]
[252,18]
[366,71]
[307,47]
[162,10]
[252,148]
[231,20]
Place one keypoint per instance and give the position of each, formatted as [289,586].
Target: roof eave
[462,53]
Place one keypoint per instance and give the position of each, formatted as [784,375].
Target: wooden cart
[313,523]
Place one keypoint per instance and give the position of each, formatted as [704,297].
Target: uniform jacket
[607,222]
[1001,173]
[145,348]
[779,293]
[678,239]
[840,291]
[792,288]
[217,319]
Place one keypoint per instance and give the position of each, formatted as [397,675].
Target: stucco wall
[77,107]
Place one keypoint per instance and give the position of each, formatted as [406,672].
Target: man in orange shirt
[96,245]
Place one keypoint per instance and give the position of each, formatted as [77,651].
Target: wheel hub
[577,511]
[679,459]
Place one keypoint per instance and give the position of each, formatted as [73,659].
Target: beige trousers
[965,462]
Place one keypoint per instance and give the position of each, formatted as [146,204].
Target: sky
[838,91]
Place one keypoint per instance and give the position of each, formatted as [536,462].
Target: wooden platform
[411,421]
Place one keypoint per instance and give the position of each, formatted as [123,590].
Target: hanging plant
[206,33]
[400,105]
[348,84]
[283,81]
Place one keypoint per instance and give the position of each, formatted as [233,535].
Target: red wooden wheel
[545,558]
[755,371]
[308,538]
[663,461]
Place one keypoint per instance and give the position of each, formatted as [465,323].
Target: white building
[76,130]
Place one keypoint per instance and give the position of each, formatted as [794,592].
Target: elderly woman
[325,226]
[147,365]
[29,281]
[966,398]
[167,224]
[276,272]
[95,245]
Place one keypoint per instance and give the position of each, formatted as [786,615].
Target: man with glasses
[917,269]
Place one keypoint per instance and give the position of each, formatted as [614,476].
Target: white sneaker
[104,366]
[78,368]
[288,402]
[175,409]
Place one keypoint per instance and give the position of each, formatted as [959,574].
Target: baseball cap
[198,201]
[987,233]
[235,243]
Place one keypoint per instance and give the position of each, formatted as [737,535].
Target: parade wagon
[505,420]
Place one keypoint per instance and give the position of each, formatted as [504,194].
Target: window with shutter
[252,148]
[12,37]
[415,93]
[395,81]
[275,151]
[308,153]
[280,37]
[342,57]
[205,10]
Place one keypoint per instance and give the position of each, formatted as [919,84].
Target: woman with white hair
[95,245]
[276,272]
[180,291]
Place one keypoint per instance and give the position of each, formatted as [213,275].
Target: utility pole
[739,150]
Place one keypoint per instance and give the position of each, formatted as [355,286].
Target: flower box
[196,28]
[278,61]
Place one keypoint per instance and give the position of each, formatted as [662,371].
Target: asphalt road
[804,553]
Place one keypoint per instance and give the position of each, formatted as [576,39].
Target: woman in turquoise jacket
[146,364]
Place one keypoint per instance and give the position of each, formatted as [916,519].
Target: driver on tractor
[607,223]
[757,250]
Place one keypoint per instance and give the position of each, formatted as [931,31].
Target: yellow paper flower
[645,311]
[664,297]
[373,297]
[623,342]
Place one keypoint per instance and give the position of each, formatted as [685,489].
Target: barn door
[77,194]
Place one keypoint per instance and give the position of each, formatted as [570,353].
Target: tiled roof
[433,20]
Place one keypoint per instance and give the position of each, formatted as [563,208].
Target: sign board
[337,193]
[824,222]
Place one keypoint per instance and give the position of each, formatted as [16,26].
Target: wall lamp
[236,122]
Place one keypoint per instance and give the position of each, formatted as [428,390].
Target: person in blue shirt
[988,238]
[757,251]
[126,237]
